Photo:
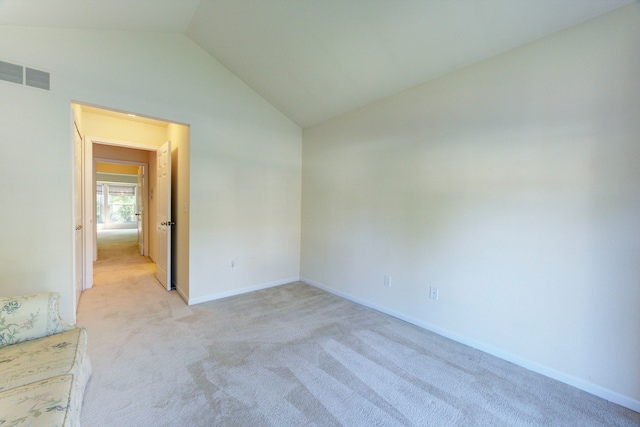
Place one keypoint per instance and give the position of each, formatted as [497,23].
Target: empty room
[356,212]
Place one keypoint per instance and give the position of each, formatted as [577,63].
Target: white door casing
[140,210]
[90,235]
[78,262]
[163,215]
[89,198]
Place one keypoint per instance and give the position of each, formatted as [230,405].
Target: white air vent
[15,73]
[11,72]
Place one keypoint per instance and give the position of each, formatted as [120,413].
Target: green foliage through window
[120,203]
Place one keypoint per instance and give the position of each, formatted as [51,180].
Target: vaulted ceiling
[316,59]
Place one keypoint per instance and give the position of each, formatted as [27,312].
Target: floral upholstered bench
[44,366]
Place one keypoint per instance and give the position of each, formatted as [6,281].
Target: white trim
[581,384]
[126,144]
[74,191]
[234,292]
[91,249]
[89,213]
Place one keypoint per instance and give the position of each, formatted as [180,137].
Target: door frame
[90,243]
[77,190]
[145,196]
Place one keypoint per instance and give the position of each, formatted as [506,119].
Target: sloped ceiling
[316,59]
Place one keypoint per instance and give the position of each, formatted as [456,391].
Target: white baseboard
[581,384]
[233,292]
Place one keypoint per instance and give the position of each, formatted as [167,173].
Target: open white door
[163,215]
[77,216]
[140,209]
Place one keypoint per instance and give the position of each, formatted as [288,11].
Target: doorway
[119,132]
[107,158]
[122,199]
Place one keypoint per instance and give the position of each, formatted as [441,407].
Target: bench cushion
[34,360]
[45,403]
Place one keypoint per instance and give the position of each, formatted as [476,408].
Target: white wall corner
[233,292]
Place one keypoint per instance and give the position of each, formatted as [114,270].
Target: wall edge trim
[594,389]
[247,289]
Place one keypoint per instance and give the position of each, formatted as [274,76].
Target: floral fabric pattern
[11,306]
[28,317]
[44,365]
[44,403]
[34,360]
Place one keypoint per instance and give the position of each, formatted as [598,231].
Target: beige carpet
[294,355]
[125,235]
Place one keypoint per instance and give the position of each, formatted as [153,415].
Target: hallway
[127,315]
[119,260]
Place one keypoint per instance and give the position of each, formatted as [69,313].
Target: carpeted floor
[294,355]
[124,235]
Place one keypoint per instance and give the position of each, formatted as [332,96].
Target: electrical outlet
[387,281]
[232,266]
[433,293]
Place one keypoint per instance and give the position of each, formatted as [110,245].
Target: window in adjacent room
[115,203]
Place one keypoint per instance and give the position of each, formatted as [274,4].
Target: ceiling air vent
[37,78]
[10,72]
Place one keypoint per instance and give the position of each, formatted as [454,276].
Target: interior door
[163,215]
[77,214]
[140,209]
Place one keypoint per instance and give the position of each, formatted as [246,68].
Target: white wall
[513,186]
[245,157]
